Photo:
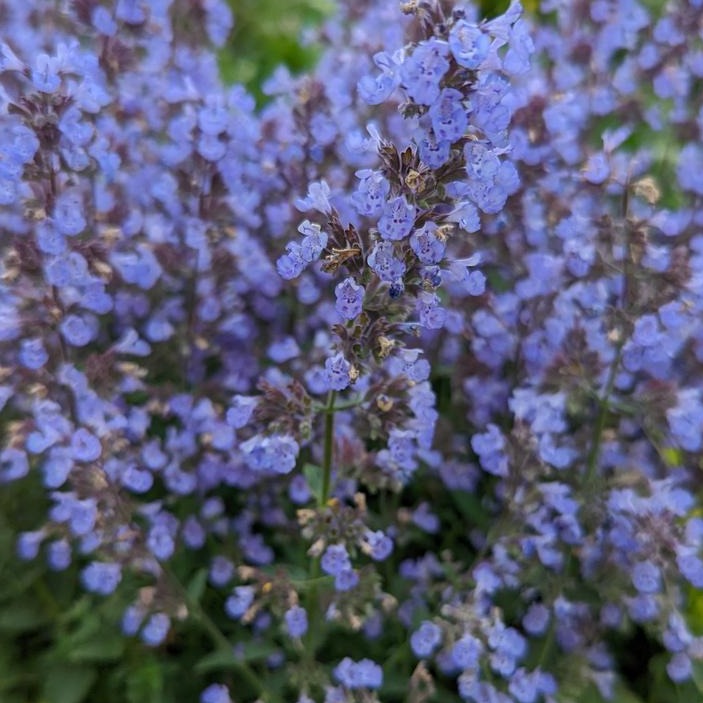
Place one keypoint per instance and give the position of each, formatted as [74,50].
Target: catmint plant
[396,378]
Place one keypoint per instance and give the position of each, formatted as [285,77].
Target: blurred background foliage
[267,33]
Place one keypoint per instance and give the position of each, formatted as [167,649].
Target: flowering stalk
[328,449]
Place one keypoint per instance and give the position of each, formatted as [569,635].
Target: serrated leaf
[65,683]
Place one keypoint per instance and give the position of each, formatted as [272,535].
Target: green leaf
[197,585]
[104,648]
[22,616]
[65,683]
[12,584]
[225,659]
[698,675]
[77,612]
[470,507]
[313,475]
[145,683]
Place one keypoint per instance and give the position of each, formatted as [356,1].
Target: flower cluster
[409,360]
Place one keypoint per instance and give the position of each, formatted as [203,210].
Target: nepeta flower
[101,577]
[240,411]
[296,619]
[32,354]
[68,215]
[314,241]
[346,579]
[426,639]
[215,693]
[422,71]
[466,652]
[449,116]
[361,674]
[239,602]
[350,298]
[646,577]
[378,545]
[383,262]
[335,560]
[85,446]
[397,219]
[428,247]
[155,629]
[338,372]
[469,44]
[371,193]
[277,453]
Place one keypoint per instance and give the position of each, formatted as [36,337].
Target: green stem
[327,451]
[548,643]
[216,635]
[313,604]
[603,407]
[604,399]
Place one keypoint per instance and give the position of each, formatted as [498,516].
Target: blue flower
[337,372]
[32,354]
[296,619]
[215,693]
[45,74]
[383,262]
[449,116]
[469,44]
[335,560]
[101,577]
[239,602]
[426,639]
[466,652]
[350,298]
[346,579]
[378,545]
[423,69]
[646,577]
[428,248]
[240,411]
[155,629]
[68,213]
[397,219]
[361,674]
[370,195]
[85,446]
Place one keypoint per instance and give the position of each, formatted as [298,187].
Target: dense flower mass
[408,362]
